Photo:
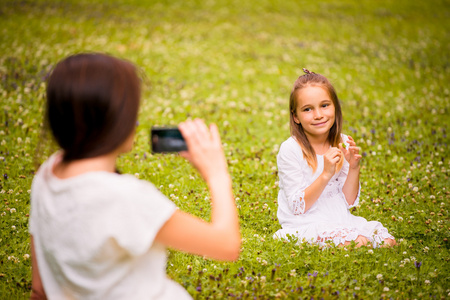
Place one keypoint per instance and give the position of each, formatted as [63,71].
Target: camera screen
[167,140]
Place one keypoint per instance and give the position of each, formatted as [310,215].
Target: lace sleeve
[294,175]
[298,203]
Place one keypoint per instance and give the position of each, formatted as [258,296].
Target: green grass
[234,63]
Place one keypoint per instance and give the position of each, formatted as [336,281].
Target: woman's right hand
[220,238]
[204,149]
[330,159]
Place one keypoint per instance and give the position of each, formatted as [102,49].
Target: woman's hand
[204,149]
[220,238]
[352,153]
[330,159]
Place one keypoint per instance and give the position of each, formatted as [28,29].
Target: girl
[319,178]
[96,234]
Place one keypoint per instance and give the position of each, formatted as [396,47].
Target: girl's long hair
[334,135]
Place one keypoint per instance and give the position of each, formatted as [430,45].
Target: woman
[97,234]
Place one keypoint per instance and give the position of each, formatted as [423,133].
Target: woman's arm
[37,289]
[351,185]
[219,239]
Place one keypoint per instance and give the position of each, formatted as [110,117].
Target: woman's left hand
[351,153]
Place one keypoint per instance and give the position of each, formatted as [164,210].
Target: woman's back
[95,235]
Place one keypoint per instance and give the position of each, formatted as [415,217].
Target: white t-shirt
[94,236]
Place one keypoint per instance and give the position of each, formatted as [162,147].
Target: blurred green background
[234,63]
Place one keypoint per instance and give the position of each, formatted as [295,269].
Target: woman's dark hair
[92,104]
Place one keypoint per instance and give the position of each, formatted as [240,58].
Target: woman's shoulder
[121,183]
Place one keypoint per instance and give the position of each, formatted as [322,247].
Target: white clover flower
[386,289]
[258,259]
[427,281]
[3,214]
[379,276]
[293,273]
[13,227]
[26,256]
[404,253]
[264,262]
[205,270]
[370,251]
[415,189]
[401,265]
[171,186]
[136,175]
[12,210]
[346,255]
[426,249]
[357,288]
[263,278]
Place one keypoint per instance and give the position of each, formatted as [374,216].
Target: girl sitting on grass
[96,234]
[319,178]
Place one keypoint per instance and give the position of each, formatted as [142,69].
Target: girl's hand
[351,154]
[204,149]
[330,160]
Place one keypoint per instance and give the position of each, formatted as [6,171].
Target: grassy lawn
[233,63]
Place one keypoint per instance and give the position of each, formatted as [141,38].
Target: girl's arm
[37,289]
[220,238]
[313,192]
[351,185]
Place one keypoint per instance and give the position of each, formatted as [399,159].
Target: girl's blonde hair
[334,135]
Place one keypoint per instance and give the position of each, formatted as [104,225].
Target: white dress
[94,236]
[329,218]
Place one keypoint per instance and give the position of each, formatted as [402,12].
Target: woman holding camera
[97,234]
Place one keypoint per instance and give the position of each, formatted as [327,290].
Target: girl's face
[315,111]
